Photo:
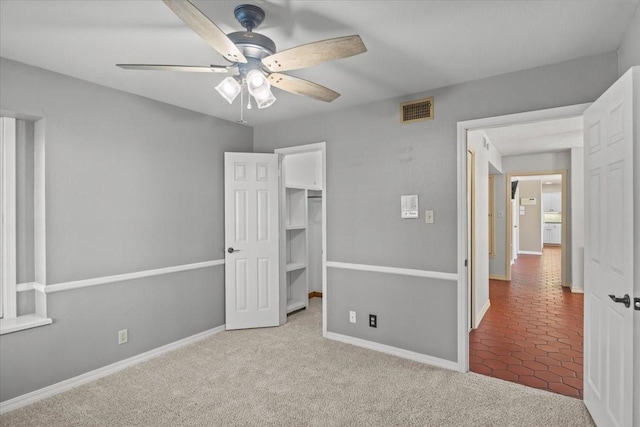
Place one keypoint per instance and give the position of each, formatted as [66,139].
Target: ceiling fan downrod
[249,16]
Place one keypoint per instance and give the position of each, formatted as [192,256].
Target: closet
[303,207]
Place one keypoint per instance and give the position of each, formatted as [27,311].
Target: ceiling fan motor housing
[249,16]
[254,47]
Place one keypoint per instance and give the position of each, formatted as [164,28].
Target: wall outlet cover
[352,317]
[373,320]
[123,336]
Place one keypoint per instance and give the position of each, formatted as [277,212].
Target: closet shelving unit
[296,248]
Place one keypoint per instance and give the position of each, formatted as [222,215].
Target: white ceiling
[413,46]
[537,137]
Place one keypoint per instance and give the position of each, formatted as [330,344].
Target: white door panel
[609,255]
[252,266]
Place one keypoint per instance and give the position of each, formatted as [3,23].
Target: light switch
[428,217]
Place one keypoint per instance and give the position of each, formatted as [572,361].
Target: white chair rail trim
[77,284]
[394,270]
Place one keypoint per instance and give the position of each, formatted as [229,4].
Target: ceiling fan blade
[310,54]
[183,68]
[302,87]
[206,29]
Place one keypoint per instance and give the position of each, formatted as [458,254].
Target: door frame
[563,237]
[471,253]
[309,148]
[462,128]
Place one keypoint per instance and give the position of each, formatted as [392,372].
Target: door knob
[626,300]
[231,250]
[636,304]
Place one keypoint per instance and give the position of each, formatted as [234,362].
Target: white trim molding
[394,270]
[8,304]
[20,323]
[529,252]
[77,284]
[394,351]
[34,396]
[482,312]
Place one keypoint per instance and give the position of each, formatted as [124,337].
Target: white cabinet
[552,202]
[552,233]
[296,249]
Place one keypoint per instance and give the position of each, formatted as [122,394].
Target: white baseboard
[394,351]
[530,252]
[577,290]
[34,396]
[482,312]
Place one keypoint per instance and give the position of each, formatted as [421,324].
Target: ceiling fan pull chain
[241,104]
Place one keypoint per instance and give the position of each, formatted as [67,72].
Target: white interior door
[470,236]
[252,262]
[514,231]
[609,254]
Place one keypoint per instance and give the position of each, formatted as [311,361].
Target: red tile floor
[532,333]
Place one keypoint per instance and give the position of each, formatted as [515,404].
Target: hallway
[533,332]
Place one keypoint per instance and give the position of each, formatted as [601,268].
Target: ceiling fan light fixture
[260,88]
[265,100]
[257,83]
[229,89]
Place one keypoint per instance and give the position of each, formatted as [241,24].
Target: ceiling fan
[254,55]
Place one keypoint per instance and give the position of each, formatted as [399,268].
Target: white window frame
[8,303]
[9,288]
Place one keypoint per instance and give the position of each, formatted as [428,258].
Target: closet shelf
[293,305]
[292,266]
[295,227]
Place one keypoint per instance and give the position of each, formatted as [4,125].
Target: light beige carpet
[291,376]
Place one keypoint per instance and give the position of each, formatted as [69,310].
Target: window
[22,225]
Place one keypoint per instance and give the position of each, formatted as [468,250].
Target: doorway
[304,172]
[538,215]
[532,335]
[502,216]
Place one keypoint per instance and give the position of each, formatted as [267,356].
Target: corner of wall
[629,50]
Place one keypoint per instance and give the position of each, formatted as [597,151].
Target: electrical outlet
[373,320]
[123,336]
[352,317]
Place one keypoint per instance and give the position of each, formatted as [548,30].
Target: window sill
[21,323]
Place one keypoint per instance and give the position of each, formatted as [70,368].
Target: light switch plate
[428,217]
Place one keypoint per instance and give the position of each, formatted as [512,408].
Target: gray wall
[131,185]
[398,301]
[372,160]
[25,267]
[519,164]
[530,225]
[629,52]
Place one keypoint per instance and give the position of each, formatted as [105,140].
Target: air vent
[417,111]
